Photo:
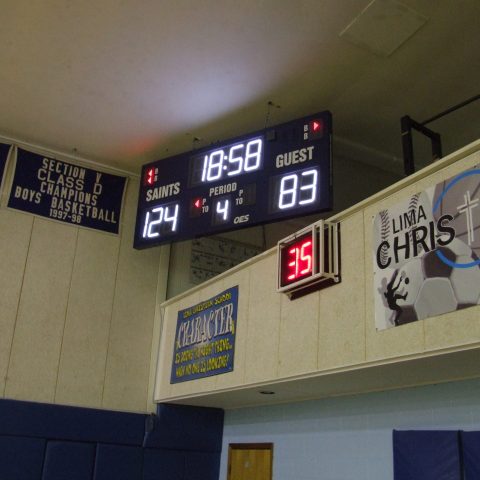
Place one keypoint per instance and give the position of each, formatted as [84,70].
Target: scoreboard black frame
[270,175]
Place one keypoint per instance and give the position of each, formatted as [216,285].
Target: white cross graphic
[467,208]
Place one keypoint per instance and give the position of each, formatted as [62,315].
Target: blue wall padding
[183,427]
[118,463]
[54,442]
[21,458]
[426,455]
[164,465]
[70,423]
[69,461]
[471,454]
[202,465]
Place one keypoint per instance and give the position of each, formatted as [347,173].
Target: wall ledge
[425,368]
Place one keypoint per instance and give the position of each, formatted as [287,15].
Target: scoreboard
[266,176]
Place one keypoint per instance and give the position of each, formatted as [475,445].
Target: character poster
[426,257]
[205,338]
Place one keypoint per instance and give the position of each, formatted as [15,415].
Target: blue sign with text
[69,193]
[205,338]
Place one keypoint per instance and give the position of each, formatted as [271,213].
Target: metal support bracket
[407,125]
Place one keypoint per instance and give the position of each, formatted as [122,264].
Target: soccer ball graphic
[426,286]
[461,193]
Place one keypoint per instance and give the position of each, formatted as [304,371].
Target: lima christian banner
[426,254]
[66,192]
[4,149]
[205,338]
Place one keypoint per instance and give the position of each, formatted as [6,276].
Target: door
[250,461]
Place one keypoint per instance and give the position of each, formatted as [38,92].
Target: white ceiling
[124,82]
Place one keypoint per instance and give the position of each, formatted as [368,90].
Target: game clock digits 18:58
[277,173]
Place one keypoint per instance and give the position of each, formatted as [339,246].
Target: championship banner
[4,149]
[205,338]
[69,193]
[427,253]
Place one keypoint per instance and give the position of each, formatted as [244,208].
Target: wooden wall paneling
[33,366]
[298,344]
[128,357]
[341,338]
[161,294]
[85,341]
[15,234]
[262,342]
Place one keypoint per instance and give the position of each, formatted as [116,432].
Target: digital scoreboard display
[274,174]
[296,262]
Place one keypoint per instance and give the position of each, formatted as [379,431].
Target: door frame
[249,446]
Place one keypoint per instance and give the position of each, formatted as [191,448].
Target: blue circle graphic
[439,254]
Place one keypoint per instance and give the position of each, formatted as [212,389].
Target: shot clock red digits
[301,259]
[297,259]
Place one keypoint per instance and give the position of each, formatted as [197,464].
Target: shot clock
[267,176]
[309,258]
[297,259]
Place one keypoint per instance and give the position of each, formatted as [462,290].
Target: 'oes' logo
[241,219]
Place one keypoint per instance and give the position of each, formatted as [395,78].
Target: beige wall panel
[393,342]
[32,372]
[261,360]
[168,340]
[448,172]
[15,232]
[128,358]
[190,387]
[453,329]
[341,339]
[298,343]
[162,379]
[199,385]
[158,324]
[179,276]
[237,377]
[85,341]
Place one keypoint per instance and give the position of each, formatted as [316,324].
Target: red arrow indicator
[150,177]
